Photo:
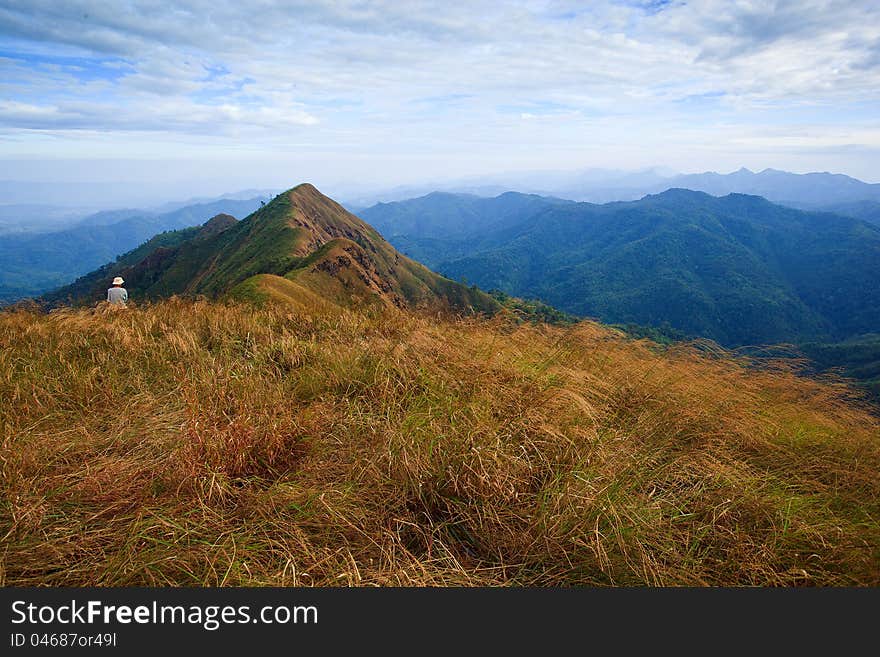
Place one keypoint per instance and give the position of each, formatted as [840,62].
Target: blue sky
[230,95]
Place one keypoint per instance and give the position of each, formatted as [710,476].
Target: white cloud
[351,76]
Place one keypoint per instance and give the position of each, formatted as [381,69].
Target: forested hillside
[738,269]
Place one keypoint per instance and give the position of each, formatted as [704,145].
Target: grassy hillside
[92,285]
[857,358]
[302,236]
[194,443]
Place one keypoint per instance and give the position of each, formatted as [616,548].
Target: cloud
[161,116]
[385,75]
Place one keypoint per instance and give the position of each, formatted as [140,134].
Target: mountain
[865,210]
[414,225]
[594,185]
[302,246]
[809,190]
[191,214]
[813,191]
[737,269]
[242,195]
[438,214]
[605,186]
[816,190]
[31,264]
[37,218]
[383,448]
[110,217]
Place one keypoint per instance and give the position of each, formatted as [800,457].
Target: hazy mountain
[440,214]
[865,210]
[37,218]
[41,217]
[413,225]
[56,193]
[243,195]
[585,185]
[178,215]
[811,190]
[738,269]
[301,247]
[110,217]
[33,263]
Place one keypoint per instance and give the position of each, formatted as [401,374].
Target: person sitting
[117,295]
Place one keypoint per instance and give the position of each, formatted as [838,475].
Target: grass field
[197,443]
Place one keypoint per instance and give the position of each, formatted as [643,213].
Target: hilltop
[300,246]
[197,443]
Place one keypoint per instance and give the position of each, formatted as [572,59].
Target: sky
[207,96]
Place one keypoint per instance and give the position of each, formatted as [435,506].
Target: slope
[205,444]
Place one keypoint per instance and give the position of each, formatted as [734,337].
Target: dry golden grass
[191,443]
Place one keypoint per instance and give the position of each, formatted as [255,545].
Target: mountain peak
[676,193]
[305,189]
[218,223]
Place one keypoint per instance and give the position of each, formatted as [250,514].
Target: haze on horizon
[200,97]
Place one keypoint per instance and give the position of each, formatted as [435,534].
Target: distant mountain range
[737,269]
[300,248]
[37,218]
[31,264]
[44,217]
[811,190]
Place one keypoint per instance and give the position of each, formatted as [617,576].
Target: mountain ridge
[300,240]
[812,190]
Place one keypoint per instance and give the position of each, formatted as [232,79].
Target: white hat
[118,280]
